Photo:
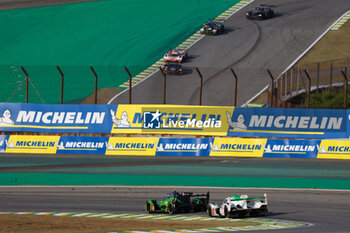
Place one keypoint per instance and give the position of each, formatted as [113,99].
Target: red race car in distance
[175,55]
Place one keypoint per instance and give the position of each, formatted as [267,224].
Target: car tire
[171,208]
[210,214]
[226,212]
[148,208]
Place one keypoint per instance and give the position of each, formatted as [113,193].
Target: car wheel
[226,212]
[148,208]
[171,208]
[210,214]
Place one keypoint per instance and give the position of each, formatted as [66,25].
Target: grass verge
[51,224]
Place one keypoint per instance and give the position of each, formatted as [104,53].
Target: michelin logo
[122,122]
[58,117]
[82,145]
[236,125]
[182,146]
[296,122]
[6,118]
[130,146]
[290,148]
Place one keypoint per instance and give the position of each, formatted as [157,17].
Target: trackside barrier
[237,147]
[175,119]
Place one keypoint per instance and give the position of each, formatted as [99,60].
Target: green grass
[107,34]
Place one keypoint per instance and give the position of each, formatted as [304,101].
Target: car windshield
[211,24]
[167,196]
[175,54]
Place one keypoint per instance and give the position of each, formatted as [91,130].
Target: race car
[175,55]
[212,27]
[176,202]
[172,67]
[239,206]
[262,12]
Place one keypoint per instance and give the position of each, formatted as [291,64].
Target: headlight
[260,14]
[247,13]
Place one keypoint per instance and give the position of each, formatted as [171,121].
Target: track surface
[250,47]
[327,210]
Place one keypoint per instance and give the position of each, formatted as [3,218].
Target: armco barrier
[176,119]
[147,146]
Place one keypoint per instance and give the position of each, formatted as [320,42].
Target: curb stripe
[266,224]
[341,22]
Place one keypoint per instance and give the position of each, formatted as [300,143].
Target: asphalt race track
[327,210]
[250,47]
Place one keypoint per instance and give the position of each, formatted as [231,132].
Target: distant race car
[176,202]
[172,67]
[212,27]
[239,206]
[262,12]
[175,55]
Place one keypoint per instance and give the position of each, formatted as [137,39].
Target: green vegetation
[333,99]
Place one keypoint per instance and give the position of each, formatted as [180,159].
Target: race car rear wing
[246,198]
[206,195]
[271,6]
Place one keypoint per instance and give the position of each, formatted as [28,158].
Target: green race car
[176,202]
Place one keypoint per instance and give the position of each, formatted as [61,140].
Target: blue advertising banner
[152,146]
[176,119]
[291,148]
[184,146]
[82,145]
[50,118]
[288,123]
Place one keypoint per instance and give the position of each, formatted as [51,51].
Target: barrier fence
[72,84]
[293,87]
[238,147]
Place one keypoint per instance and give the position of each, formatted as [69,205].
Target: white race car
[239,206]
[175,55]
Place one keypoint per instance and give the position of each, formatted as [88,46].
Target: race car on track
[239,206]
[172,67]
[262,12]
[175,55]
[212,27]
[176,202]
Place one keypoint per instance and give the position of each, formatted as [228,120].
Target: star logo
[156,115]
[152,120]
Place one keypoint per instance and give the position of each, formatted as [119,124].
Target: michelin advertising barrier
[176,119]
[237,147]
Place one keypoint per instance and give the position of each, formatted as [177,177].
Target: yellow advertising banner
[334,149]
[32,144]
[132,146]
[238,147]
[171,119]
